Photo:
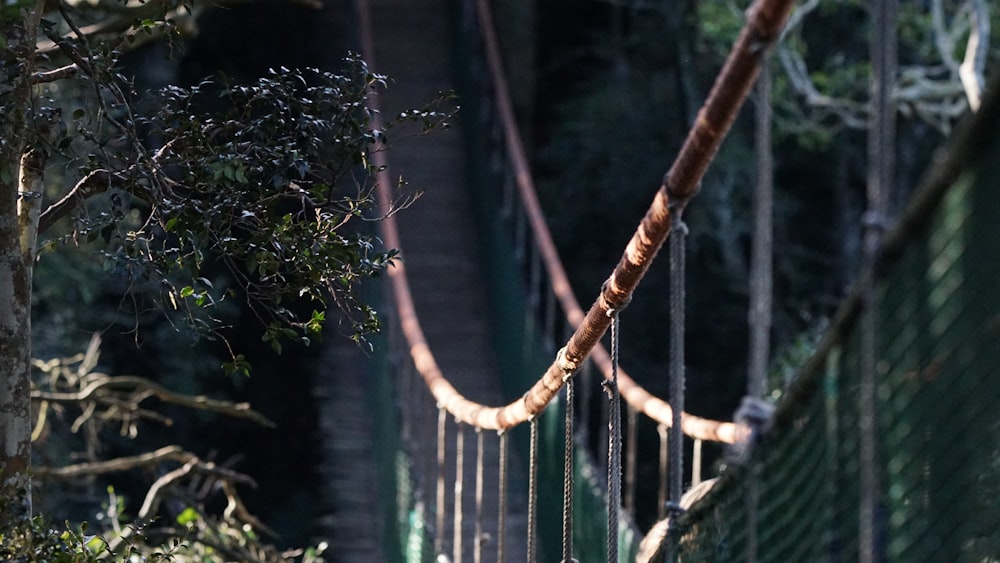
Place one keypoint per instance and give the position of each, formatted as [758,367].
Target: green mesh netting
[938,419]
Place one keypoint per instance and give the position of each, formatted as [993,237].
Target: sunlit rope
[662,493]
[459,481]
[696,462]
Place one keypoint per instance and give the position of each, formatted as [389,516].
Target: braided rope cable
[631,457]
[567,512]
[532,491]
[677,368]
[677,376]
[459,486]
[614,446]
[502,500]
[458,515]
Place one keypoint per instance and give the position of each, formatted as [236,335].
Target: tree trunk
[16,167]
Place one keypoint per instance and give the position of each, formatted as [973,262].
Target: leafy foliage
[265,190]
[192,538]
[253,200]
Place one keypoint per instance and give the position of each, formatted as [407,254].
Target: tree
[253,201]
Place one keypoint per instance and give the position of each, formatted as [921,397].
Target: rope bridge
[459,469]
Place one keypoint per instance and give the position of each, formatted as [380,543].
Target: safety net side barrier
[938,447]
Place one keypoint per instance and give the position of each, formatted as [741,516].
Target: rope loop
[753,419]
[676,202]
[566,366]
[610,309]
[610,388]
[677,225]
[675,510]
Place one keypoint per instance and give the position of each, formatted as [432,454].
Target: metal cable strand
[459,480]
[440,494]
[502,500]
[880,176]
[676,434]
[614,446]
[477,553]
[567,514]
[532,490]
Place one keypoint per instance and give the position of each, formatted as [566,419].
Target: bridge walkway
[441,255]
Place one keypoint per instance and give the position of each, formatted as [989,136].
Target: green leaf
[238,365]
[188,516]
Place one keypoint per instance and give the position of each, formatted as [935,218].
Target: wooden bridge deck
[412,47]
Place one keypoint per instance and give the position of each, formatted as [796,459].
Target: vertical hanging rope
[761,260]
[567,514]
[477,553]
[761,283]
[661,497]
[614,444]
[631,456]
[587,382]
[502,499]
[881,163]
[532,490]
[676,435]
[440,494]
[677,289]
[696,462]
[459,480]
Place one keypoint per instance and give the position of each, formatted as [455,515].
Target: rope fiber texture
[614,446]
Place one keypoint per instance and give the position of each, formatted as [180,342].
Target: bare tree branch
[976,50]
[132,385]
[67,71]
[938,93]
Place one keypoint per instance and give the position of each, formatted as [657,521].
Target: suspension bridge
[466,437]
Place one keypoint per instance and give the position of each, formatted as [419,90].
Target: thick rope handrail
[633,393]
[764,22]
